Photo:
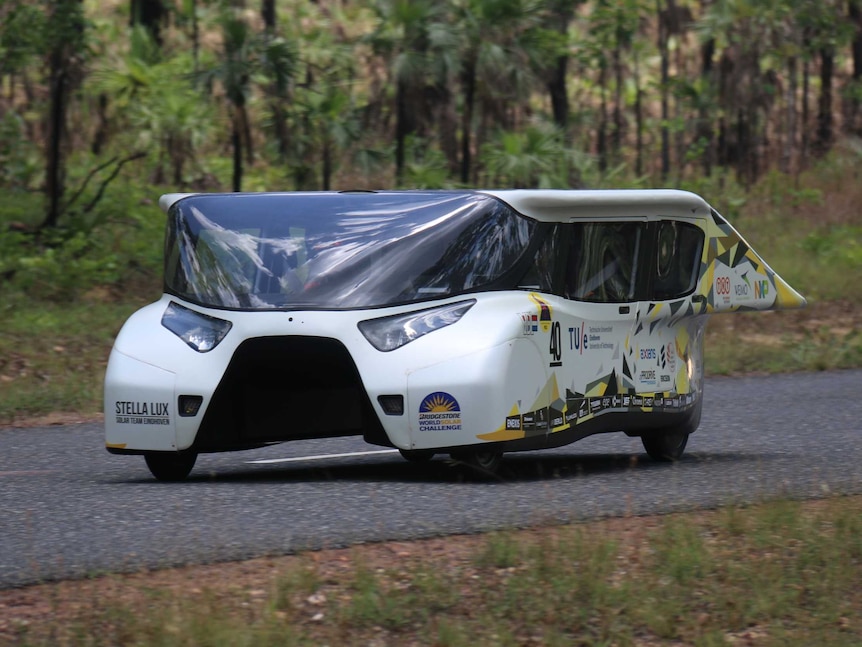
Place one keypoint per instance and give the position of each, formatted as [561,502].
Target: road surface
[70,509]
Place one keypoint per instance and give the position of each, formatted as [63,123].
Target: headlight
[389,333]
[200,331]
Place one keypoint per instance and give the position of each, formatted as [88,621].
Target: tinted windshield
[339,250]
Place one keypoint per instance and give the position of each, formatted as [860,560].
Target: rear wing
[734,278]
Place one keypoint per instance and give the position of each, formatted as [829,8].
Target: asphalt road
[70,509]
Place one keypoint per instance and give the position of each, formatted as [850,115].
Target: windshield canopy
[339,250]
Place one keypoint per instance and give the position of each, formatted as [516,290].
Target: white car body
[516,367]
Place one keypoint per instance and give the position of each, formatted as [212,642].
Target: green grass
[53,356]
[779,573]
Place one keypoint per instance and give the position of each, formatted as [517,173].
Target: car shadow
[521,467]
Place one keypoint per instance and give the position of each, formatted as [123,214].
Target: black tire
[483,462]
[666,446]
[170,466]
[417,455]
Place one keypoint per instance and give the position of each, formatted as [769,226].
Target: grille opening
[287,388]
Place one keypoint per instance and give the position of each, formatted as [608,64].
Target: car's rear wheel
[170,466]
[666,446]
[417,455]
[484,462]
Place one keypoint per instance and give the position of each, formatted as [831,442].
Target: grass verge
[780,573]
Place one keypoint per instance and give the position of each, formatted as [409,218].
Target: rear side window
[678,250]
[603,261]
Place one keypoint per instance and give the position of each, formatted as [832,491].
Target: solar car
[467,323]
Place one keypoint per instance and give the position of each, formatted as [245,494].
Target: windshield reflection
[285,251]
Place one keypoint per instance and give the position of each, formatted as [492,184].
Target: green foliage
[20,162]
[60,272]
[118,242]
[21,34]
[426,168]
[534,158]
[836,245]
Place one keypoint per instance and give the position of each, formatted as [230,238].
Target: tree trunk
[236,140]
[327,165]
[705,132]
[101,136]
[447,125]
[268,14]
[617,133]
[602,135]
[639,120]
[245,125]
[824,111]
[806,114]
[469,83]
[54,178]
[665,78]
[66,24]
[149,14]
[854,11]
[787,163]
[196,37]
[559,93]
[402,129]
[560,14]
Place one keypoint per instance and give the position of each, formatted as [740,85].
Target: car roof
[556,205]
[562,205]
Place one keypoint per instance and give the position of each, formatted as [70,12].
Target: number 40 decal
[556,345]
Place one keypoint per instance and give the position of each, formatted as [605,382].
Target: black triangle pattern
[612,383]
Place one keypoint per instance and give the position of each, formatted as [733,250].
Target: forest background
[755,104]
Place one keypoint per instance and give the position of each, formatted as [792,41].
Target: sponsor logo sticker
[557,418]
[530,323]
[139,412]
[439,411]
[583,409]
[541,419]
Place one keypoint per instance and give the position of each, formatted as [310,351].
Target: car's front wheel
[170,466]
[485,462]
[666,446]
[417,455]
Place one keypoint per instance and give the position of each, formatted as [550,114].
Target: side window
[679,246]
[542,273]
[603,261]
